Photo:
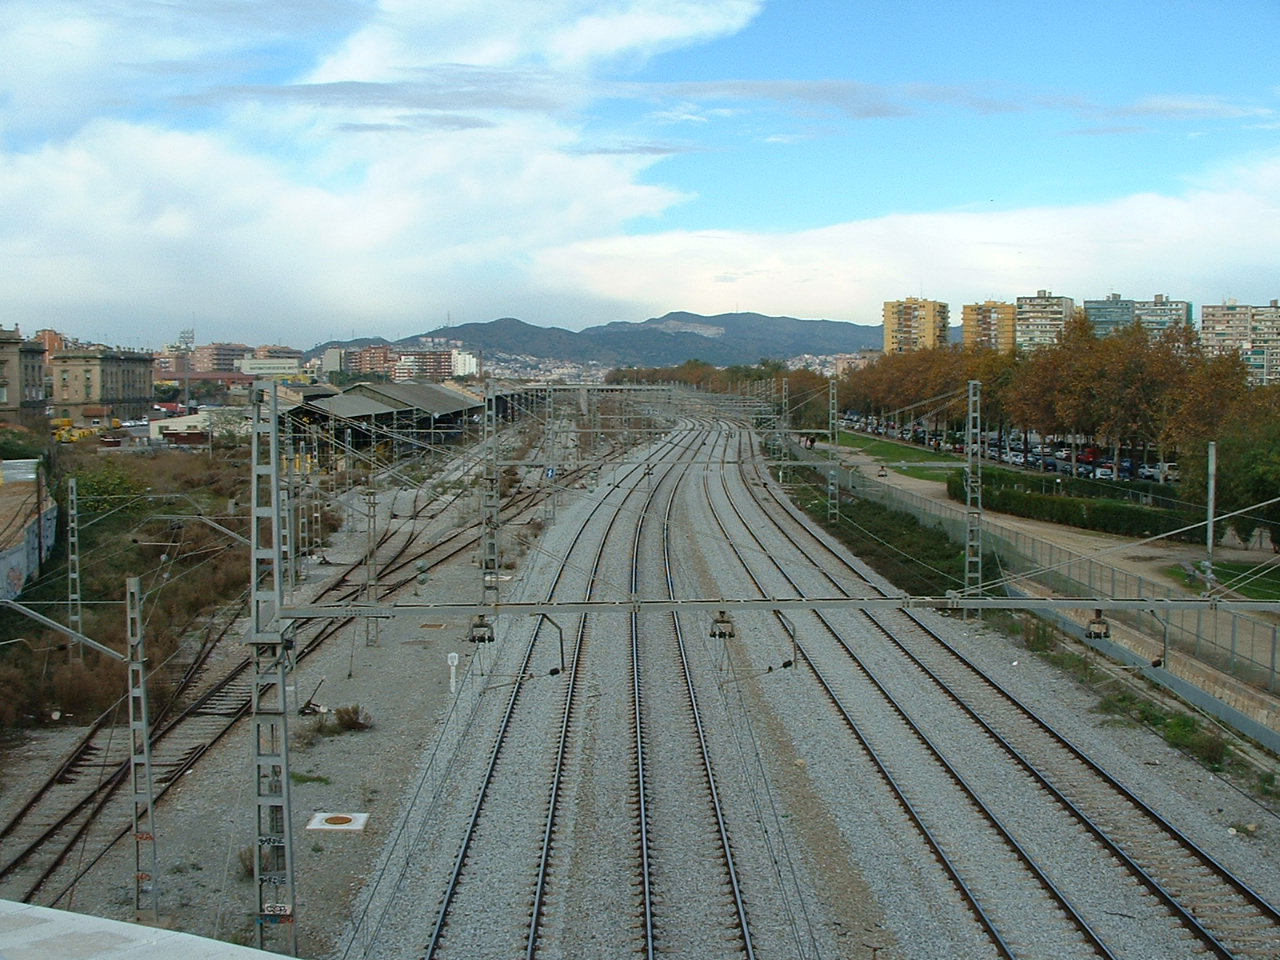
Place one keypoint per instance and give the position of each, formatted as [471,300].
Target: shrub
[1082,504]
[353,717]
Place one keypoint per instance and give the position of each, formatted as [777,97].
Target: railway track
[703,902]
[471,916]
[1197,900]
[74,817]
[653,858]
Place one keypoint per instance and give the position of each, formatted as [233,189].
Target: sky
[296,171]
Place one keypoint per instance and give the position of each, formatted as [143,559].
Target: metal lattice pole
[317,501]
[146,900]
[287,508]
[304,504]
[75,600]
[784,427]
[489,548]
[273,840]
[833,484]
[371,563]
[549,509]
[973,493]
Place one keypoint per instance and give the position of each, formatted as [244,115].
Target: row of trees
[1130,388]
[1163,394]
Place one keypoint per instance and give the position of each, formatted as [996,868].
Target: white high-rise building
[1251,331]
[1041,319]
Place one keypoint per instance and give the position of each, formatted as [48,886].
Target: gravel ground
[854,880]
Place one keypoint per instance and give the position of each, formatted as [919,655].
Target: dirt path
[1151,560]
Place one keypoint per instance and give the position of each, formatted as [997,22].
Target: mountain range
[726,339]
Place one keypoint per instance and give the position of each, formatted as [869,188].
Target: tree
[1129,387]
[1077,376]
[1248,463]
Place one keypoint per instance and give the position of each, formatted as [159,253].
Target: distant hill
[724,340]
[358,344]
[730,338]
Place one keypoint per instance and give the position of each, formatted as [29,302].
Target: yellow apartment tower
[991,324]
[914,324]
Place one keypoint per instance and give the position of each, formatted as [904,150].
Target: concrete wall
[21,562]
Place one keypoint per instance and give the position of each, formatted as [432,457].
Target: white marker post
[453,672]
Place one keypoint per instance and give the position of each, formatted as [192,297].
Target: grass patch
[936,474]
[1182,731]
[1185,732]
[1246,580]
[921,560]
[893,450]
[297,777]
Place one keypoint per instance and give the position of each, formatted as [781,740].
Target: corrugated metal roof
[351,406]
[433,398]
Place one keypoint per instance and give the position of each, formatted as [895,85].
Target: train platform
[40,933]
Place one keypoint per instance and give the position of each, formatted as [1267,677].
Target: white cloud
[1214,240]
[64,61]
[294,169]
[1192,105]
[130,223]
[568,35]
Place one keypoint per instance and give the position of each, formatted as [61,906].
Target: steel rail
[1184,914]
[953,871]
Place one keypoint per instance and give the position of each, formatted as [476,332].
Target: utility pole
[833,477]
[481,626]
[146,903]
[273,841]
[187,342]
[145,894]
[973,493]
[370,563]
[1212,494]
[75,602]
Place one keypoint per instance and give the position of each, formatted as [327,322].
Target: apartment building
[275,351]
[1251,331]
[1157,314]
[1109,315]
[93,384]
[990,325]
[1039,320]
[423,365]
[915,324]
[21,379]
[218,357]
[52,341]
[374,359]
[1160,313]
[171,362]
[465,363]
